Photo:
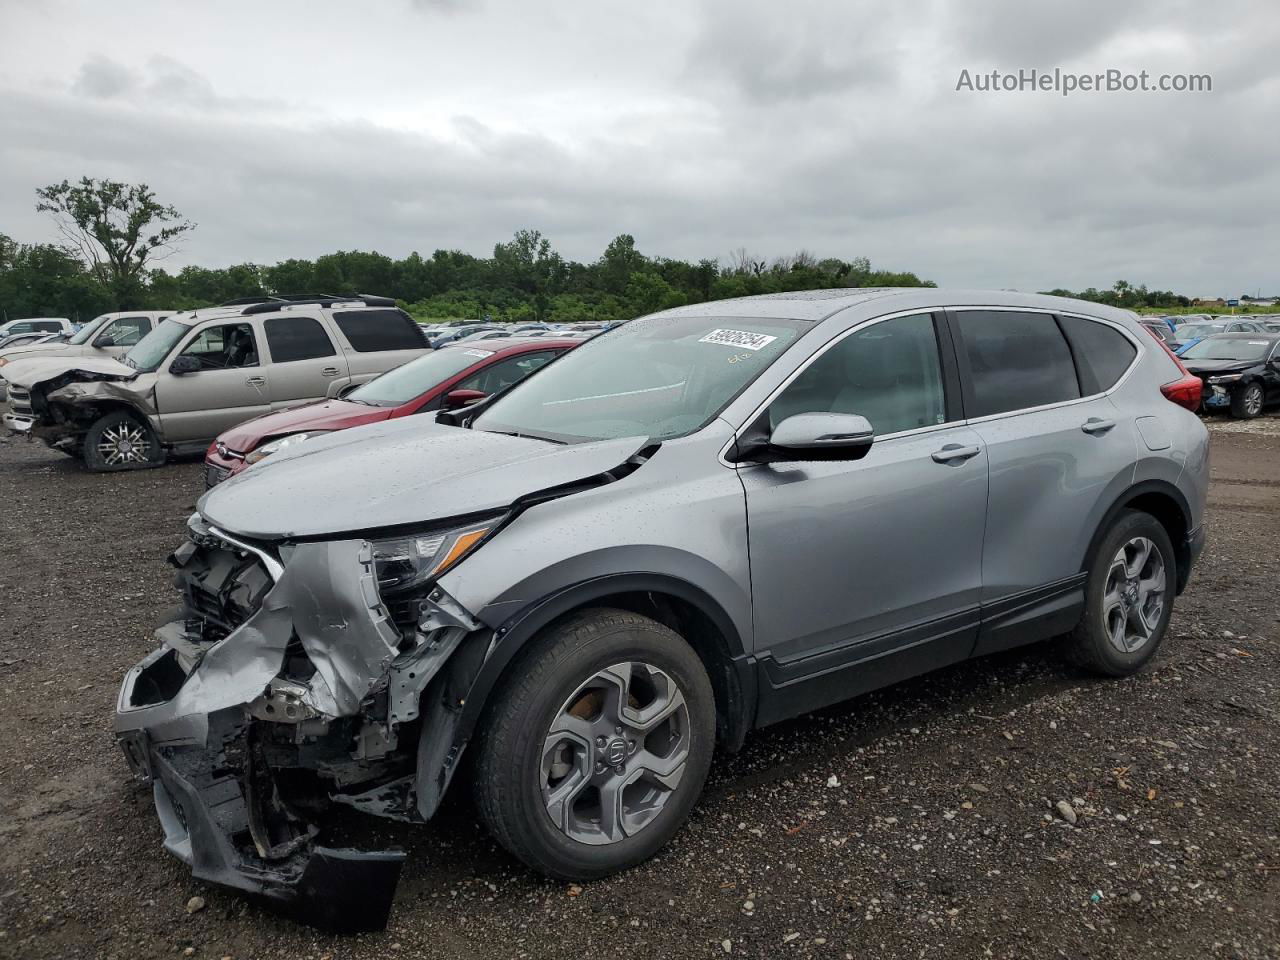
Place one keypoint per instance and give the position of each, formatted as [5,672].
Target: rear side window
[297,338]
[48,326]
[1102,353]
[1016,361]
[370,330]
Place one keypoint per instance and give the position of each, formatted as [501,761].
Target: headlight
[275,446]
[1227,378]
[406,562]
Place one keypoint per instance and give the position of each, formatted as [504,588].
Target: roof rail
[269,305]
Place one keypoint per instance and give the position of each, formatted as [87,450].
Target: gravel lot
[921,821]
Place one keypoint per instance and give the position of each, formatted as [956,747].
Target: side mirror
[821,436]
[461,398]
[106,340]
[184,364]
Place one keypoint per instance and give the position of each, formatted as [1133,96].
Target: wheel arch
[682,606]
[1168,505]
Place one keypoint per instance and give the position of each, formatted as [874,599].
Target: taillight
[1187,390]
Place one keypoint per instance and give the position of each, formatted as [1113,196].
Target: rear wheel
[120,441]
[1128,597]
[1247,403]
[592,758]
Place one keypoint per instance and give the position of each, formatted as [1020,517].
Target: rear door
[1036,392]
[230,387]
[305,363]
[377,339]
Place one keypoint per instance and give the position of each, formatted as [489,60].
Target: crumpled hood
[29,371]
[43,350]
[403,471]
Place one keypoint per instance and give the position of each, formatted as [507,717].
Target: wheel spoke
[560,800]
[612,811]
[1141,551]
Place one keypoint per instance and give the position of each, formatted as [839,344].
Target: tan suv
[203,371]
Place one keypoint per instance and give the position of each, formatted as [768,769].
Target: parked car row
[598,561]
[199,373]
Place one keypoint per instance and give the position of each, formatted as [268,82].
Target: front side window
[127,331]
[1016,361]
[660,377]
[224,347]
[371,330]
[296,338]
[505,373]
[888,372]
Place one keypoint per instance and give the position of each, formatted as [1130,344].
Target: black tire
[1090,645]
[508,773]
[143,454]
[1246,403]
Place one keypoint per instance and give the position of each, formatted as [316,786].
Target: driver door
[864,572]
[229,388]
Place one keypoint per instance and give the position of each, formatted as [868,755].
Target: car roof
[815,305]
[1246,335]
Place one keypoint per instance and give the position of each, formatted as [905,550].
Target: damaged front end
[293,677]
[58,407]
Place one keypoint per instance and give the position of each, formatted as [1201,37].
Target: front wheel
[120,441]
[1247,403]
[592,758]
[1128,597]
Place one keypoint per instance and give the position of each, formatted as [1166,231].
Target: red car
[453,376]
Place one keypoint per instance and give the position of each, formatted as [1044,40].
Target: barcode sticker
[740,339]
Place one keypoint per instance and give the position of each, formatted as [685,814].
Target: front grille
[214,475]
[20,401]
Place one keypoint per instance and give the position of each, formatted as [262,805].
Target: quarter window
[372,330]
[1102,353]
[1016,361]
[888,373]
[297,338]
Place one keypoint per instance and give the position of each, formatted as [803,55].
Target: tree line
[115,237]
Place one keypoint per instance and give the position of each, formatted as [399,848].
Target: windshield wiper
[526,436]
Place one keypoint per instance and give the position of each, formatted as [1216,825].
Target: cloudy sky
[289,129]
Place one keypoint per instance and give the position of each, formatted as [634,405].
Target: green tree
[117,228]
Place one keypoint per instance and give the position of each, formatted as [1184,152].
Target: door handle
[255,381]
[329,372]
[954,453]
[1094,426]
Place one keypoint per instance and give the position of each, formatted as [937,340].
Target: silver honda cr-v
[701,522]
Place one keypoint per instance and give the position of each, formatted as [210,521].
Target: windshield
[416,377]
[1228,348]
[149,352]
[88,330]
[1189,331]
[660,378]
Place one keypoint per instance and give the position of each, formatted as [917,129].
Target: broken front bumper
[214,823]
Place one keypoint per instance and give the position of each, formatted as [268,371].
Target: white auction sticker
[478,353]
[739,338]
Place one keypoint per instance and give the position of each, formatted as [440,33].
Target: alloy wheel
[124,442]
[1134,597]
[1253,400]
[615,753]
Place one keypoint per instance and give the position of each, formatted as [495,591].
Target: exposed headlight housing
[402,563]
[1226,378]
[275,446]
